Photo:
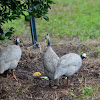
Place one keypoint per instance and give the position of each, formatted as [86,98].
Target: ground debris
[28,88]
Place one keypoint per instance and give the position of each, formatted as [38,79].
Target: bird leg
[14,76]
[67,81]
[7,75]
[56,82]
[7,71]
[49,82]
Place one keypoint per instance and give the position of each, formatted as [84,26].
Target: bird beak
[20,41]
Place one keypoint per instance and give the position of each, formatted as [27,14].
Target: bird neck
[17,43]
[82,57]
[48,42]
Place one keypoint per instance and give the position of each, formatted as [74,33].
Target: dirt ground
[28,88]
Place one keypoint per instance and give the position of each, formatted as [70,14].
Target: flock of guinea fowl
[54,67]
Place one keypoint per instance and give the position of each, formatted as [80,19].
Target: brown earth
[28,88]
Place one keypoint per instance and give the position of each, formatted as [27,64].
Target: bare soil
[29,88]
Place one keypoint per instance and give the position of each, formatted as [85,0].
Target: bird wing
[70,60]
[50,60]
[63,71]
[68,64]
[10,53]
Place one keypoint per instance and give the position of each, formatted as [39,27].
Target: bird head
[17,41]
[48,39]
[83,56]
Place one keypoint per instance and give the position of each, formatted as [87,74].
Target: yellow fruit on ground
[37,74]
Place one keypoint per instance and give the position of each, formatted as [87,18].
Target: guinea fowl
[10,57]
[50,60]
[68,65]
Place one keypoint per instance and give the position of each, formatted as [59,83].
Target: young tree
[12,9]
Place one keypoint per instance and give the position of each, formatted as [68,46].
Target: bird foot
[14,77]
[7,75]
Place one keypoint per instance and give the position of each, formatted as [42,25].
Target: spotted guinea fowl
[10,57]
[50,60]
[68,65]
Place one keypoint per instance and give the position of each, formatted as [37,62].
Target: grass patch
[75,18]
[19,26]
[72,18]
[86,91]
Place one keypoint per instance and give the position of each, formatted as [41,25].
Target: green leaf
[1,31]
[46,18]
[73,94]
[44,77]
[2,36]
[83,91]
[28,18]
[9,34]
[0,12]
[11,29]
[33,14]
[51,2]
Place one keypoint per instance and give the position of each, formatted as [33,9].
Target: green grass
[87,91]
[19,26]
[75,18]
[72,18]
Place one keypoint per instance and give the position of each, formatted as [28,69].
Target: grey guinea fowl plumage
[50,60]
[10,57]
[68,65]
